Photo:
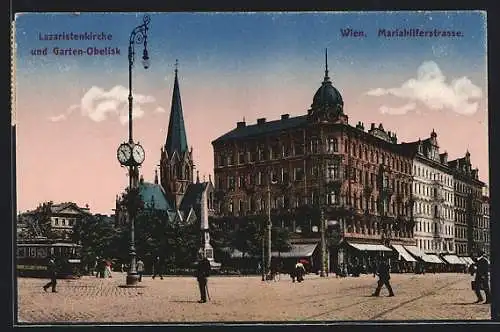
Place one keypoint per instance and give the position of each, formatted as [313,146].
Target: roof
[296,251]
[153,196]
[369,247]
[56,208]
[176,136]
[192,197]
[263,128]
[402,251]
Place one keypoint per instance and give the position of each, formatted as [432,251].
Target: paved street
[174,299]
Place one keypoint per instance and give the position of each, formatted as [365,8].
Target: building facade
[60,220]
[468,202]
[483,235]
[359,179]
[433,197]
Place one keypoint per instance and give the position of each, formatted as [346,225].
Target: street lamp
[129,153]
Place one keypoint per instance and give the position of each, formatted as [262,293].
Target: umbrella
[304,261]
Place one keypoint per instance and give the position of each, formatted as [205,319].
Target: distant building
[483,232]
[61,219]
[175,191]
[468,205]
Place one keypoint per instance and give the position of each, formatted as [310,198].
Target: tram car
[33,257]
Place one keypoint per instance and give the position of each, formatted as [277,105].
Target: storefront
[405,262]
[308,254]
[361,257]
[455,263]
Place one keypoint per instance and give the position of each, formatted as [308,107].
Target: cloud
[98,104]
[160,109]
[431,89]
[398,110]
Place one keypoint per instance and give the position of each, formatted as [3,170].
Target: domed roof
[327,94]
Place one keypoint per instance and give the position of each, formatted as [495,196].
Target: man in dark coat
[481,280]
[202,273]
[383,272]
[157,267]
[52,269]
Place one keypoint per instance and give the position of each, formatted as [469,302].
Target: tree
[97,237]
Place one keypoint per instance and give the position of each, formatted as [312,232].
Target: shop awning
[369,247]
[453,260]
[415,251]
[402,251]
[297,251]
[435,259]
[468,260]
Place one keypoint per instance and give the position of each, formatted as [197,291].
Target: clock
[124,153]
[138,154]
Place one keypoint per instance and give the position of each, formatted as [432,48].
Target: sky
[71,110]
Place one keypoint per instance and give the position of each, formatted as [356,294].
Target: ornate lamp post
[129,153]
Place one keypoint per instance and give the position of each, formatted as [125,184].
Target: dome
[327,94]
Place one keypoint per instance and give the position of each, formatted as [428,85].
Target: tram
[32,257]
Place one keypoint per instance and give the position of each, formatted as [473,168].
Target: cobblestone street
[174,299]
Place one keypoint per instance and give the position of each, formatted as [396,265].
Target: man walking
[52,269]
[140,268]
[481,280]
[383,272]
[157,268]
[202,273]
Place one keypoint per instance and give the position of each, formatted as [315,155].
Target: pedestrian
[140,268]
[157,268]
[52,270]
[481,280]
[300,271]
[383,272]
[202,273]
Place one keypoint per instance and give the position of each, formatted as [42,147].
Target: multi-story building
[483,234]
[468,201]
[360,179]
[433,207]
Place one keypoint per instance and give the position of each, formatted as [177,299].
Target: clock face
[124,153]
[138,154]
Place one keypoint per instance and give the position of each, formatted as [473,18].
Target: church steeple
[176,163]
[176,136]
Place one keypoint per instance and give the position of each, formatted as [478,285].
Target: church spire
[156,176]
[176,136]
[327,78]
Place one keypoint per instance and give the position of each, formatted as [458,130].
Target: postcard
[244,167]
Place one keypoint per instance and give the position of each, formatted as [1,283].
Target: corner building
[360,179]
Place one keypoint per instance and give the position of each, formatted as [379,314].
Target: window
[230,182]
[259,178]
[298,149]
[332,144]
[230,160]
[333,172]
[332,198]
[241,206]
[298,174]
[241,181]
[241,157]
[231,206]
[314,145]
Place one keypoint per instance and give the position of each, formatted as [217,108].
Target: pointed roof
[176,136]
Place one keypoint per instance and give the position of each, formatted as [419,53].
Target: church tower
[176,162]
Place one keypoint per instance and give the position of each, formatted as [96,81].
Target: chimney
[240,124]
[372,126]
[285,116]
[261,121]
